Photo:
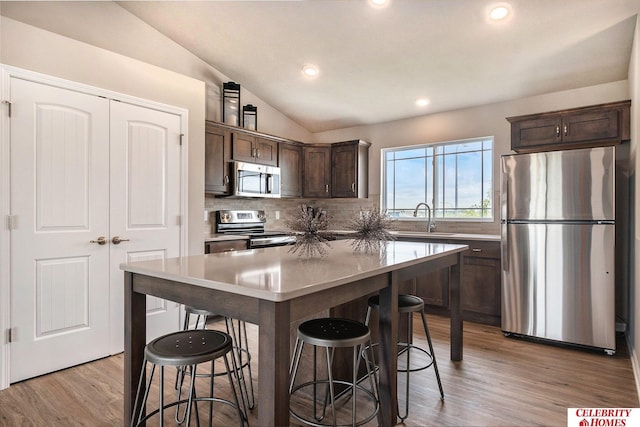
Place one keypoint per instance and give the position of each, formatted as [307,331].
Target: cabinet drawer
[480,249]
[224,246]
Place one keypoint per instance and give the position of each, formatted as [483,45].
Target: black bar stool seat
[332,333]
[238,331]
[186,348]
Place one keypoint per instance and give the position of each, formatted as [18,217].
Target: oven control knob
[262,216]
[225,217]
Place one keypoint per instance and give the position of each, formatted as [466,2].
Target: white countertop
[436,235]
[275,274]
[447,236]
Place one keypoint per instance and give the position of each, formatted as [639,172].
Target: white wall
[106,25]
[486,120]
[33,49]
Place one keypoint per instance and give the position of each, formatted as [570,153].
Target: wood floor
[501,382]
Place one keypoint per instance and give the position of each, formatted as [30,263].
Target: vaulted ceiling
[374,63]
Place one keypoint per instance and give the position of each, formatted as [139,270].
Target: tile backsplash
[340,211]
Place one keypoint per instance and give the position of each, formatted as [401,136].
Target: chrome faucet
[431,225]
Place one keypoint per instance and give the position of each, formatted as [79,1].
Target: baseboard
[635,364]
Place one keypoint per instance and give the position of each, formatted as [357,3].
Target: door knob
[117,239]
[100,240]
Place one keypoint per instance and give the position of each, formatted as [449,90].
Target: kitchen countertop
[435,235]
[218,237]
[447,236]
[275,274]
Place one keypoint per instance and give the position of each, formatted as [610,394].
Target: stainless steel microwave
[254,180]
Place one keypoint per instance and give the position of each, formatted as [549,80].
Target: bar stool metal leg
[409,304]
[241,355]
[241,351]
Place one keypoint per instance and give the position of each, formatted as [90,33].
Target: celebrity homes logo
[603,417]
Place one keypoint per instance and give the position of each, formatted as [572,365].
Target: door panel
[558,283]
[560,185]
[59,193]
[83,167]
[145,205]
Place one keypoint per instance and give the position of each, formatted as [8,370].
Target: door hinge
[181,138]
[12,222]
[179,220]
[8,107]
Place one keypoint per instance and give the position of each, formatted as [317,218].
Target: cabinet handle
[557,131]
[326,188]
[566,130]
[257,153]
[353,187]
[226,180]
[476,250]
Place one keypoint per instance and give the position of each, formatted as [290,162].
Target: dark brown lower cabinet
[481,284]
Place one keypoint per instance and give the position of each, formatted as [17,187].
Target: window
[454,178]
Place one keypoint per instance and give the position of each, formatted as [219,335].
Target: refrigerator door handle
[504,185]
[503,245]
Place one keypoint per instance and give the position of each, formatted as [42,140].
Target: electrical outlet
[206,215]
[277,215]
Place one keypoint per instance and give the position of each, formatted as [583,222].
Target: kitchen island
[272,288]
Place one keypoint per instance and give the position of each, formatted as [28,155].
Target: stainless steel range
[252,224]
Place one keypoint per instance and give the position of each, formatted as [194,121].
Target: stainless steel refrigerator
[558,246]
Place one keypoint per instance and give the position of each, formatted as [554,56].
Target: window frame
[434,183]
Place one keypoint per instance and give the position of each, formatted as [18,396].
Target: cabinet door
[243,147]
[290,163]
[433,288]
[317,171]
[535,132]
[344,170]
[594,126]
[266,151]
[217,153]
[481,277]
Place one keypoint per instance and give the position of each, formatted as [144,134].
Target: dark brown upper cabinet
[217,153]
[596,125]
[290,163]
[254,149]
[349,169]
[316,173]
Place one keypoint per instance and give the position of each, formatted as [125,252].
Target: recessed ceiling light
[310,71]
[422,102]
[499,12]
[379,3]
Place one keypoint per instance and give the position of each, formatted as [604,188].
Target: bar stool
[186,348]
[410,304]
[238,331]
[333,333]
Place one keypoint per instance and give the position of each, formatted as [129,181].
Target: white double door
[85,171]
